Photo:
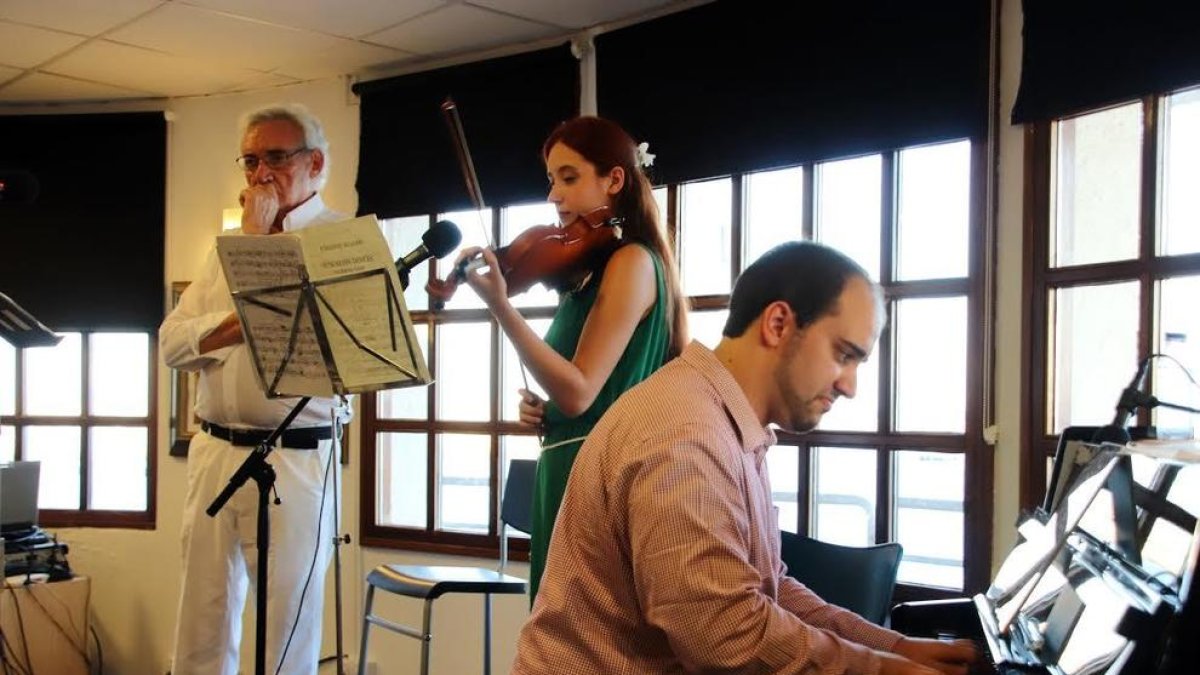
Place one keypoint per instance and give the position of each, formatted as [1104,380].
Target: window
[894,463]
[84,409]
[1115,268]
[435,456]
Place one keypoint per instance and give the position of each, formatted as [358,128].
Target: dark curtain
[407,163]
[87,251]
[738,85]
[1081,55]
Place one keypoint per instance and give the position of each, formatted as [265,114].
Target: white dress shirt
[229,393]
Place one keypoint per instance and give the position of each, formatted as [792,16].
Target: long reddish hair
[606,145]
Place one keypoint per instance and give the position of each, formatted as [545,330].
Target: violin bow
[459,137]
[454,122]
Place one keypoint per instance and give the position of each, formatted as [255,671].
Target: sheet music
[354,279]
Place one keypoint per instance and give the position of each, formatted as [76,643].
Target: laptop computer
[18,498]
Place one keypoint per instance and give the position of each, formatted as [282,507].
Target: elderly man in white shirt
[284,157]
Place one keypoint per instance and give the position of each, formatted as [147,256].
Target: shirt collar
[304,214]
[755,437]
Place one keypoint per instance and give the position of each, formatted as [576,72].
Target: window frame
[85,517]
[1040,279]
[978,456]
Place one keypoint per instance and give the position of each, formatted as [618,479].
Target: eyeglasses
[274,159]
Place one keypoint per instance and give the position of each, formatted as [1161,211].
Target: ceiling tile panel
[575,13]
[350,18]
[220,38]
[147,70]
[46,87]
[86,17]
[25,47]
[460,28]
[260,81]
[347,57]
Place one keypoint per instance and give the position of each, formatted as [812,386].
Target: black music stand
[21,329]
[307,347]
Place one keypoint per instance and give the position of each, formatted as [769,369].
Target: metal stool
[431,582]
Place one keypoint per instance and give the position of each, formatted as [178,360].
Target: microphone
[17,187]
[437,241]
[1131,398]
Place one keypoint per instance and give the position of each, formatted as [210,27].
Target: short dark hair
[806,275]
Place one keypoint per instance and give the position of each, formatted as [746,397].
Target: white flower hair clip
[644,158]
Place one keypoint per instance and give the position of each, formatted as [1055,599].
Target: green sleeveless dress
[643,355]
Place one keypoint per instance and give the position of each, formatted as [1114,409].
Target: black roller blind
[508,106]
[87,252]
[751,84]
[1080,55]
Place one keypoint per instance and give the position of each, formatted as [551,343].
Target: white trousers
[220,559]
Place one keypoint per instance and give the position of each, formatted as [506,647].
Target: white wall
[1009,319]
[135,573]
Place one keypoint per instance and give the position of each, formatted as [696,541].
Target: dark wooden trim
[952,443]
[133,520]
[446,543]
[884,525]
[737,217]
[978,463]
[930,288]
[368,465]
[889,216]
[78,420]
[808,201]
[1147,240]
[85,438]
[1034,336]
[709,301]
[152,435]
[804,487]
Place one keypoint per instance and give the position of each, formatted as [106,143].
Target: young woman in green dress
[622,324]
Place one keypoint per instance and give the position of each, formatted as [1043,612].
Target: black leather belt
[308,438]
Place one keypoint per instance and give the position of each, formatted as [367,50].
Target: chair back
[516,508]
[859,579]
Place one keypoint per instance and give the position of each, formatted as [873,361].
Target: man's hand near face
[260,205]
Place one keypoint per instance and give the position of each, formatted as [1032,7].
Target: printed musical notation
[323,310]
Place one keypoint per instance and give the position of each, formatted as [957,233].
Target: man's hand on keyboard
[937,656]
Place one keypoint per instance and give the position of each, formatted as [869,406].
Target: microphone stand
[338,541]
[1132,398]
[256,467]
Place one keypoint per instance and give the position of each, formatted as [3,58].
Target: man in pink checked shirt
[665,557]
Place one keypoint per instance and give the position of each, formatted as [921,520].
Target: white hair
[314,133]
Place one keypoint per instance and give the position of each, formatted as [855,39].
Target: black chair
[859,579]
[430,583]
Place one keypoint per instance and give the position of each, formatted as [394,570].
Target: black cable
[21,625]
[82,652]
[99,650]
[1186,372]
[7,648]
[312,565]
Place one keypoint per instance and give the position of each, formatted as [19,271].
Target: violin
[560,257]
